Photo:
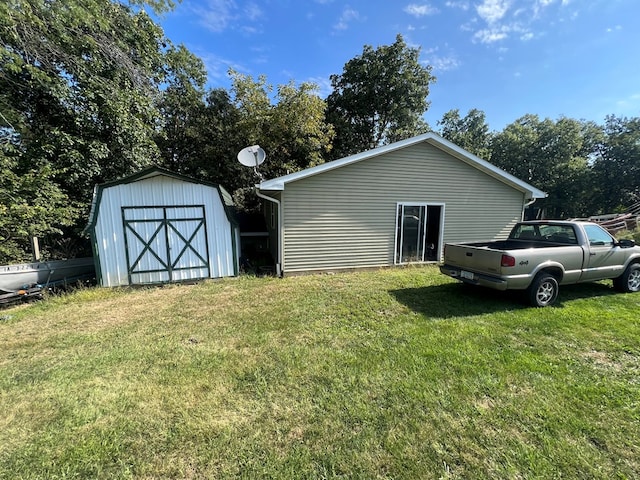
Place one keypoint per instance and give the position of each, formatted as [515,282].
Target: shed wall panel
[161,191]
[345,218]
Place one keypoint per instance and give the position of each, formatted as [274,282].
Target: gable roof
[146,174]
[430,138]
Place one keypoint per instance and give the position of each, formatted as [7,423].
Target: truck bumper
[473,278]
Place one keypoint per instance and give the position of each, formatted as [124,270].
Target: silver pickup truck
[539,256]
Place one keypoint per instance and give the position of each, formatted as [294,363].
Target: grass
[397,373]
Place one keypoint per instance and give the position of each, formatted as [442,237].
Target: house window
[418,233]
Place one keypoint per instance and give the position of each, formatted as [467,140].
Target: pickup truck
[539,256]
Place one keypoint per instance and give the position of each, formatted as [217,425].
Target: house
[157,226]
[393,205]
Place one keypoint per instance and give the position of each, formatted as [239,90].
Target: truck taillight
[508,261]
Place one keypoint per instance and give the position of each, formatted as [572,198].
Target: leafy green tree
[30,203]
[380,97]
[202,138]
[554,156]
[471,132]
[617,165]
[292,131]
[181,106]
[79,80]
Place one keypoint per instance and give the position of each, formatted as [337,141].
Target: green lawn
[397,373]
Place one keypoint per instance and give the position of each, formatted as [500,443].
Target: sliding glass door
[417,233]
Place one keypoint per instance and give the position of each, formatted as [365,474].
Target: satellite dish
[251,156]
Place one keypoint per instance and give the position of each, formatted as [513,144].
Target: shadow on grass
[459,300]
[585,290]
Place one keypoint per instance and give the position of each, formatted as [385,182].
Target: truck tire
[543,291]
[629,281]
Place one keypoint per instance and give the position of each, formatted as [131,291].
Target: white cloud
[216,15]
[499,20]
[490,35]
[492,11]
[253,12]
[420,10]
[461,5]
[540,5]
[221,15]
[443,64]
[348,15]
[218,67]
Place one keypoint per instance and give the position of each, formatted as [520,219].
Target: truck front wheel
[543,290]
[629,281]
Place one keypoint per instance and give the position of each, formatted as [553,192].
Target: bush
[629,234]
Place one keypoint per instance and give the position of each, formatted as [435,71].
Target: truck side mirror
[625,243]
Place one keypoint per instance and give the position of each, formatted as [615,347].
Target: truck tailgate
[475,259]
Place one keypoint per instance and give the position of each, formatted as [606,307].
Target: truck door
[605,260]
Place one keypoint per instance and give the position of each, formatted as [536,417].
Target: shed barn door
[165,244]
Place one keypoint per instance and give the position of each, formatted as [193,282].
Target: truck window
[598,236]
[563,234]
[558,234]
[524,232]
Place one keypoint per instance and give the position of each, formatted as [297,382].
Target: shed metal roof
[151,172]
[431,138]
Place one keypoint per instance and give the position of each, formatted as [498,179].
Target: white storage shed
[157,227]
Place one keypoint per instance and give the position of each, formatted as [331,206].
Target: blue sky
[577,58]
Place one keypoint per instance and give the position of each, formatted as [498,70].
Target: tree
[292,131]
[553,156]
[202,138]
[617,165]
[380,97]
[30,205]
[79,80]
[471,132]
[181,105]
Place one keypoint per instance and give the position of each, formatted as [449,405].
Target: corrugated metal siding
[345,218]
[162,191]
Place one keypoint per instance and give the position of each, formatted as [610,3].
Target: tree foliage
[31,204]
[617,164]
[470,132]
[380,97]
[78,89]
[201,138]
[292,130]
[554,156]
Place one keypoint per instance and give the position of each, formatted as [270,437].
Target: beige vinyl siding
[346,217]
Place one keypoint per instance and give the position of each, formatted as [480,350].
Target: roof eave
[279,183]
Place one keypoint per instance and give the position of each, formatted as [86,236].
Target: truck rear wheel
[629,281]
[543,290]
